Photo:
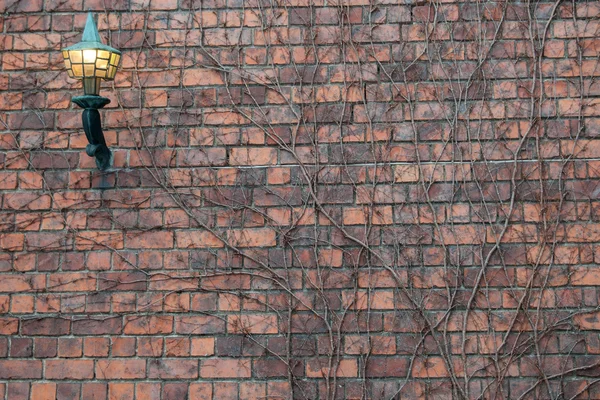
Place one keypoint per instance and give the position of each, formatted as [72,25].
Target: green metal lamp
[91,61]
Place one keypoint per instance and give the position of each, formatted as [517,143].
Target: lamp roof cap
[91,38]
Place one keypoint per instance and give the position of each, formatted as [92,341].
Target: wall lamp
[91,61]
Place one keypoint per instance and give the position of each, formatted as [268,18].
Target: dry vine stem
[347,199]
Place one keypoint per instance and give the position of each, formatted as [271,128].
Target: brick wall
[348,199]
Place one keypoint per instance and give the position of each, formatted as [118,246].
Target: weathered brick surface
[351,199]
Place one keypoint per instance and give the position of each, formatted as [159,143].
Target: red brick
[225,368]
[201,391]
[150,240]
[202,347]
[73,369]
[148,324]
[387,367]
[100,326]
[120,369]
[26,201]
[252,390]
[70,347]
[588,321]
[95,347]
[123,346]
[46,326]
[173,369]
[94,391]
[319,368]
[120,391]
[202,77]
[252,324]
[20,283]
[177,347]
[197,239]
[252,237]
[96,240]
[20,369]
[252,156]
[430,367]
[372,344]
[199,325]
[43,391]
[147,391]
[72,282]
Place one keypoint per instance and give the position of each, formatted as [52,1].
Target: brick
[43,391]
[199,325]
[588,321]
[26,201]
[252,156]
[318,368]
[72,282]
[46,326]
[251,390]
[387,367]
[431,367]
[94,391]
[148,324]
[20,369]
[197,239]
[73,369]
[202,347]
[252,323]
[148,391]
[66,391]
[150,240]
[224,368]
[21,347]
[123,346]
[173,369]
[9,326]
[100,326]
[20,283]
[120,391]
[202,77]
[120,369]
[200,391]
[96,347]
[70,347]
[253,237]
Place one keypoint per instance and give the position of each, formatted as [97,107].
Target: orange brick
[43,391]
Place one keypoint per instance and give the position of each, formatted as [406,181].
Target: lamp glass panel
[111,72]
[75,56]
[100,73]
[104,54]
[114,59]
[100,63]
[68,63]
[65,54]
[89,56]
[88,70]
[77,70]
[70,72]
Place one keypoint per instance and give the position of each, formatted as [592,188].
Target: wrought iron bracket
[92,126]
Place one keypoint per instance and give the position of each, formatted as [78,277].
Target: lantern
[91,61]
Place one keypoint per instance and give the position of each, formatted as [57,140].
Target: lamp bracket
[92,126]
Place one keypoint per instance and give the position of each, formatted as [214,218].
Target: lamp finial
[90,32]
